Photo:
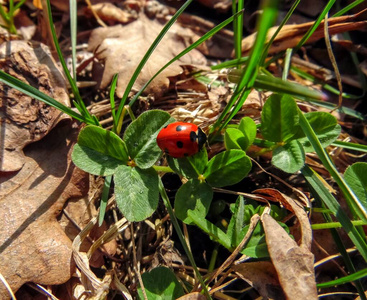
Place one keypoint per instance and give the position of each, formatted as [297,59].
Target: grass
[251,73]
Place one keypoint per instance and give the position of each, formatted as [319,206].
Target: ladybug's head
[201,138]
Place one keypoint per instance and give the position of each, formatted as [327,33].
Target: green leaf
[256,246]
[193,195]
[136,192]
[356,177]
[140,137]
[279,118]
[249,129]
[236,223]
[227,168]
[160,284]
[324,125]
[99,151]
[290,158]
[189,167]
[234,139]
[210,229]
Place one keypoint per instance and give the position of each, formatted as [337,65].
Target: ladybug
[181,139]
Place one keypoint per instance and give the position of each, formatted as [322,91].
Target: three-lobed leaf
[140,137]
[325,126]
[356,176]
[193,195]
[189,167]
[99,151]
[290,158]
[279,118]
[136,192]
[160,283]
[227,168]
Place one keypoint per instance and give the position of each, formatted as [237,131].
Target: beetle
[181,139]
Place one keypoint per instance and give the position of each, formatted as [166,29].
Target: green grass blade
[146,57]
[181,236]
[238,27]
[274,84]
[270,9]
[351,199]
[104,199]
[314,26]
[112,100]
[324,85]
[350,146]
[346,279]
[206,36]
[284,21]
[318,188]
[37,94]
[348,8]
[72,83]
[73,33]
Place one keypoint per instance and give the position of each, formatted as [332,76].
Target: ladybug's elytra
[181,139]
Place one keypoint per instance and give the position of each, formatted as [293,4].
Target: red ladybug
[181,139]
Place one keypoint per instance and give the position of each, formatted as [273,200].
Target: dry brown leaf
[81,211]
[219,5]
[293,263]
[121,48]
[23,119]
[109,13]
[193,296]
[34,248]
[262,276]
[290,35]
[293,206]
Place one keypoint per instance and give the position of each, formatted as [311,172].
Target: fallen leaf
[23,119]
[293,206]
[192,296]
[218,5]
[262,276]
[109,13]
[290,35]
[121,48]
[33,246]
[293,263]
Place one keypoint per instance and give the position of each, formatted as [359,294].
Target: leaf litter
[112,51]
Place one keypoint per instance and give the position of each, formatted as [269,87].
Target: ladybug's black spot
[179,128]
[179,144]
[193,136]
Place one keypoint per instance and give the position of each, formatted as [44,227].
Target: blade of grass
[237,6]
[331,203]
[324,85]
[242,90]
[350,146]
[206,36]
[83,110]
[175,223]
[112,99]
[346,279]
[37,94]
[145,59]
[104,199]
[73,33]
[284,21]
[348,8]
[274,84]
[314,26]
[351,199]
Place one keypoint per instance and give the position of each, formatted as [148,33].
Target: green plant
[8,14]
